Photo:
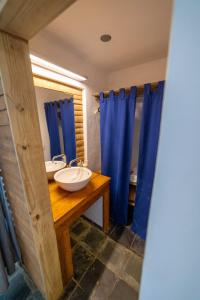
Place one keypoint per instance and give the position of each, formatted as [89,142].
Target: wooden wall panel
[56,86]
[25,18]
[13,183]
[22,162]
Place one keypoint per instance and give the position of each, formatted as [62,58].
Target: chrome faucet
[63,156]
[76,160]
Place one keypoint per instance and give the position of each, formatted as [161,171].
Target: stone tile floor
[105,266]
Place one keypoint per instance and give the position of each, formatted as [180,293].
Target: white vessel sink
[53,166]
[73,179]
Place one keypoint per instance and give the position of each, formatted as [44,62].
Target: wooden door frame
[19,22]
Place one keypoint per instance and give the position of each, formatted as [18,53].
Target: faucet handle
[63,156]
[76,160]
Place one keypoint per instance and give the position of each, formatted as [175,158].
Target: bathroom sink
[73,179]
[53,166]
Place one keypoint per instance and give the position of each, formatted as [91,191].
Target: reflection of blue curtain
[117,126]
[68,128]
[52,125]
[149,135]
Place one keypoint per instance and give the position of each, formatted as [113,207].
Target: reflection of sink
[53,166]
[73,179]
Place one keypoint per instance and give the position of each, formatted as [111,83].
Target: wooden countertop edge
[68,215]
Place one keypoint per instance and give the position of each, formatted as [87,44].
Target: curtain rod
[140,90]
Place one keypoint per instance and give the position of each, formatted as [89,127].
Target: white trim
[37,61]
[84,99]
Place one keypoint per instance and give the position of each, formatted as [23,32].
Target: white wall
[172,256]
[152,71]
[137,124]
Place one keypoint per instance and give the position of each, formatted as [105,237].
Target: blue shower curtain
[52,125]
[117,127]
[149,135]
[68,128]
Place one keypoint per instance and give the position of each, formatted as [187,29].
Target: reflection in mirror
[61,122]
[60,115]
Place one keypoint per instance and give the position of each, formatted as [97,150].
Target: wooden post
[32,203]
[25,18]
[65,252]
[106,210]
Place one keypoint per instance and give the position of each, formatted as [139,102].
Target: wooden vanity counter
[67,207]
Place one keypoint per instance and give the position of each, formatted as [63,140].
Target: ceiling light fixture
[39,62]
[50,75]
[105,37]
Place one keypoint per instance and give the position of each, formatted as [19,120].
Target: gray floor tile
[122,235]
[134,267]
[82,260]
[93,239]
[138,246]
[115,273]
[123,291]
[98,281]
[79,228]
[68,290]
[79,294]
[114,256]
[105,286]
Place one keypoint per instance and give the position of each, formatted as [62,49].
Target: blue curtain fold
[116,129]
[68,128]
[51,112]
[148,145]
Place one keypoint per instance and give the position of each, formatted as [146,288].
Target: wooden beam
[25,18]
[20,102]
[57,86]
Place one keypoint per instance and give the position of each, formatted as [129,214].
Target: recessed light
[105,38]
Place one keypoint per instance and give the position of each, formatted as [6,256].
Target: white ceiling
[139,30]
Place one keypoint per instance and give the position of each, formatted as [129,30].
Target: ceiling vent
[105,38]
